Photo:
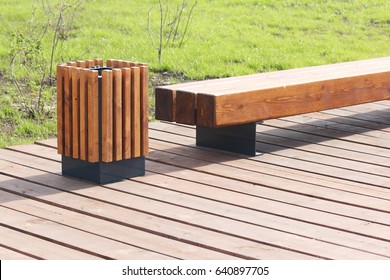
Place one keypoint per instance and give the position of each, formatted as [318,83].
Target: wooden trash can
[102,116]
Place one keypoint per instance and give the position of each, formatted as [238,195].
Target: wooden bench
[225,111]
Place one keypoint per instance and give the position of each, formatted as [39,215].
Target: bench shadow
[273,139]
[317,131]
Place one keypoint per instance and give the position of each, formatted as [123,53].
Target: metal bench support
[239,139]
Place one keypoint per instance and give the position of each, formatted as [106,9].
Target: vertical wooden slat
[90,63]
[144,111]
[127,63]
[107,118]
[119,63]
[98,62]
[60,109]
[67,111]
[84,114]
[115,63]
[71,63]
[136,112]
[93,117]
[81,63]
[75,72]
[109,62]
[126,103]
[117,98]
[123,64]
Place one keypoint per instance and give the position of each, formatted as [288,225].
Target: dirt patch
[7,128]
[167,78]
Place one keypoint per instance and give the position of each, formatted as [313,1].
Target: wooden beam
[181,103]
[186,107]
[287,100]
[165,104]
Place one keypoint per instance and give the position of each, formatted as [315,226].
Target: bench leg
[103,172]
[239,139]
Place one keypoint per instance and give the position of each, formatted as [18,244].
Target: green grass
[18,130]
[226,38]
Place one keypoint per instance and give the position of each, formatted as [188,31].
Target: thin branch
[183,5]
[188,23]
[149,30]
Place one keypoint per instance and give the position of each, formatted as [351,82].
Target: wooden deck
[320,191]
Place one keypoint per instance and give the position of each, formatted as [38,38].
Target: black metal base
[102,172]
[237,138]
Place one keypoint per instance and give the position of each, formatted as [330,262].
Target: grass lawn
[226,38]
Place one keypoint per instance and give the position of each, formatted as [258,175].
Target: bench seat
[248,99]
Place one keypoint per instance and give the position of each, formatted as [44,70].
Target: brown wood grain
[68,111]
[94,225]
[98,61]
[93,117]
[90,63]
[109,62]
[244,107]
[231,93]
[60,109]
[36,247]
[75,72]
[165,104]
[186,107]
[117,113]
[81,63]
[84,114]
[126,119]
[107,116]
[144,110]
[135,112]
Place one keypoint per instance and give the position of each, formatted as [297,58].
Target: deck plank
[34,247]
[98,246]
[115,231]
[147,215]
[11,254]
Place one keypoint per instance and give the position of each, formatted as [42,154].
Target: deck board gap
[290,191]
[30,154]
[55,241]
[21,252]
[336,138]
[86,231]
[135,226]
